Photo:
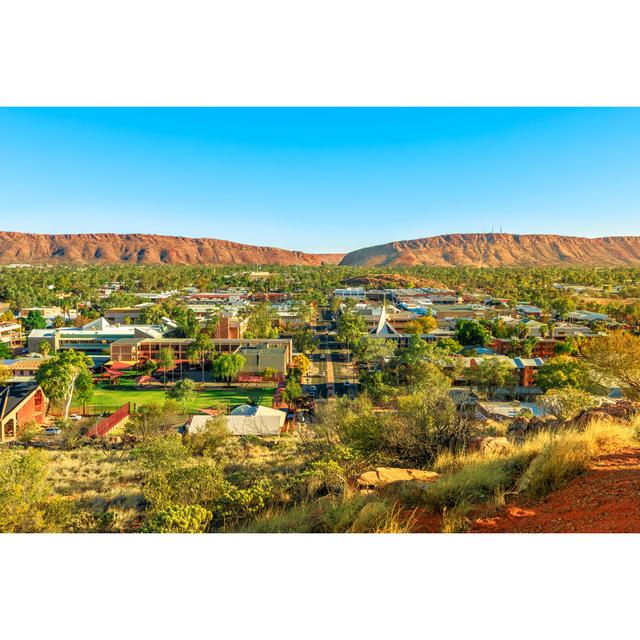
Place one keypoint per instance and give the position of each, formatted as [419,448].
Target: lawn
[111,397]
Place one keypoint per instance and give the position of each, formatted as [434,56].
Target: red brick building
[20,404]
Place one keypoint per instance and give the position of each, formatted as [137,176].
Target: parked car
[75,416]
[52,431]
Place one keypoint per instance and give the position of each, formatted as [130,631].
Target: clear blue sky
[320,179]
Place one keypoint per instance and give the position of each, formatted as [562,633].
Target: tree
[200,350]
[154,421]
[60,375]
[7,316]
[422,325]
[304,341]
[34,320]
[373,349]
[562,372]
[228,366]
[350,328]
[5,375]
[165,358]
[261,322]
[27,504]
[472,333]
[270,374]
[44,348]
[301,363]
[292,393]
[5,351]
[59,322]
[492,373]
[183,391]
[615,359]
[84,389]
[565,404]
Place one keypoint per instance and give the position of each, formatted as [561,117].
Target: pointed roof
[100,324]
[384,328]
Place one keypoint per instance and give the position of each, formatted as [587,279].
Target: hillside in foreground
[501,250]
[111,248]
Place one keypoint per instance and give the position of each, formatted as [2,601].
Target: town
[101,356]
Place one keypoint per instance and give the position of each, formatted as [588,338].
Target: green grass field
[110,397]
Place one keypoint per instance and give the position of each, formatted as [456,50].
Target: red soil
[606,499]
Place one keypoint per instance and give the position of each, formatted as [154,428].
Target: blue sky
[320,179]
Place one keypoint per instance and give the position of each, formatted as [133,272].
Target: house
[23,368]
[245,419]
[527,370]
[11,335]
[21,403]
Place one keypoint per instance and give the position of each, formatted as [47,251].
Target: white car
[52,431]
[75,416]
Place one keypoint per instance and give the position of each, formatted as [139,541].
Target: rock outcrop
[501,250]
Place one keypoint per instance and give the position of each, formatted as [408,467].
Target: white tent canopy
[244,420]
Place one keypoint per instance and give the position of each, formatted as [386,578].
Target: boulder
[493,444]
[383,476]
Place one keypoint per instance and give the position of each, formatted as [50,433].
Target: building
[246,419]
[21,403]
[23,368]
[11,335]
[94,338]
[231,326]
[265,355]
[357,293]
[542,349]
[259,354]
[125,315]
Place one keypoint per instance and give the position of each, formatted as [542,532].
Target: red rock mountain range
[472,249]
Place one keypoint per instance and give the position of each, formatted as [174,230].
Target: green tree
[350,328]
[562,372]
[304,341]
[44,348]
[167,362]
[27,503]
[5,351]
[291,393]
[261,322]
[227,366]
[200,351]
[472,333]
[61,374]
[184,392]
[615,359]
[565,404]
[34,320]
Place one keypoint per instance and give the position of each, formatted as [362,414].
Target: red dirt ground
[606,499]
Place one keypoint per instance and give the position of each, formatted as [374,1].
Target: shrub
[178,519]
[237,504]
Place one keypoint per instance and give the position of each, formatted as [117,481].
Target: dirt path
[606,499]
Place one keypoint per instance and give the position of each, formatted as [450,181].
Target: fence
[106,424]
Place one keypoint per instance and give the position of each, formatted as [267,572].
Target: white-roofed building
[246,419]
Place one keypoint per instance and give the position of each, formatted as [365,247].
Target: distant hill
[501,250]
[109,248]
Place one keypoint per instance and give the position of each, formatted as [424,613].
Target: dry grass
[99,481]
[543,463]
